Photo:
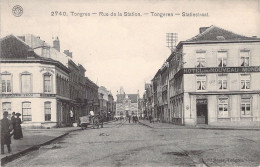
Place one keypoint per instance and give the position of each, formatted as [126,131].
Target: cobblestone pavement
[34,137]
[124,144]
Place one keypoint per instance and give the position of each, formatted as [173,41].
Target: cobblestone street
[129,144]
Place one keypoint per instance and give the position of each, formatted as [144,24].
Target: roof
[132,97]
[15,50]
[120,98]
[214,33]
[13,47]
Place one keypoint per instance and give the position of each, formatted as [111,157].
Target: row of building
[212,78]
[45,85]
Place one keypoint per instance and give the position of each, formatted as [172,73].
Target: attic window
[220,38]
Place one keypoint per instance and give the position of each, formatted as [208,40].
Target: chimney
[68,53]
[56,44]
[22,38]
[202,29]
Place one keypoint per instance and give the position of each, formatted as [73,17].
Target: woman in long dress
[18,134]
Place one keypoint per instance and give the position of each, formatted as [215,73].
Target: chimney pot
[56,44]
[202,29]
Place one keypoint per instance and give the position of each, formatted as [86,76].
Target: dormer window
[220,38]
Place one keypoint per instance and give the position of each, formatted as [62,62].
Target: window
[47,111]
[245,82]
[26,83]
[222,82]
[201,59]
[6,83]
[201,82]
[26,111]
[244,58]
[222,59]
[223,107]
[47,82]
[245,107]
[6,106]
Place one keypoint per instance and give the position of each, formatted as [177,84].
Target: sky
[125,50]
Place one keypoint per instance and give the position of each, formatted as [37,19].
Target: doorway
[202,111]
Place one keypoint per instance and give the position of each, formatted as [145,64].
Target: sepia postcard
[130,83]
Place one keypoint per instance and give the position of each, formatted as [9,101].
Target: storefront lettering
[219,70]
[26,95]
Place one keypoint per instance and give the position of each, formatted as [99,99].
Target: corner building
[214,79]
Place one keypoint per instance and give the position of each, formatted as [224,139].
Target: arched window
[47,111]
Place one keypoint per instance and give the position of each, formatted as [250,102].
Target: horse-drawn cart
[85,121]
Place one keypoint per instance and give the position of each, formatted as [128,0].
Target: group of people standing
[135,119]
[10,128]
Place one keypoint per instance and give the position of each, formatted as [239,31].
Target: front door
[202,111]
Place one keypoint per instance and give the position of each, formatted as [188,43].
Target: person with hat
[6,128]
[18,134]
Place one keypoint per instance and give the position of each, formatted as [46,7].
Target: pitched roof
[120,98]
[14,48]
[214,33]
[132,97]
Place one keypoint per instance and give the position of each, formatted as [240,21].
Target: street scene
[130,83]
[140,145]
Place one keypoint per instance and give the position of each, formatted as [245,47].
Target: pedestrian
[129,118]
[13,119]
[6,128]
[150,118]
[18,134]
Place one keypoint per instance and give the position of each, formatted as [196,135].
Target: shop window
[26,85]
[245,58]
[6,83]
[6,106]
[222,82]
[201,82]
[201,62]
[47,83]
[223,108]
[222,59]
[245,106]
[26,111]
[47,111]
[245,82]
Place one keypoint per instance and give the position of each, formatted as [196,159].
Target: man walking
[6,128]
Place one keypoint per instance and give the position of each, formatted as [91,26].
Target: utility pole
[171,40]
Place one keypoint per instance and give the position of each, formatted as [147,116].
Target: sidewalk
[158,125]
[32,140]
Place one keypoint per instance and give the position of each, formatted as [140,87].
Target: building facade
[127,105]
[32,85]
[91,99]
[214,79]
[35,74]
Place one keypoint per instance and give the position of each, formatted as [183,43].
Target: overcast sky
[125,51]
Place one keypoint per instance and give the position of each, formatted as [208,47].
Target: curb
[12,157]
[205,128]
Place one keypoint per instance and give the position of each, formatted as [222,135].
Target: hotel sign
[218,70]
